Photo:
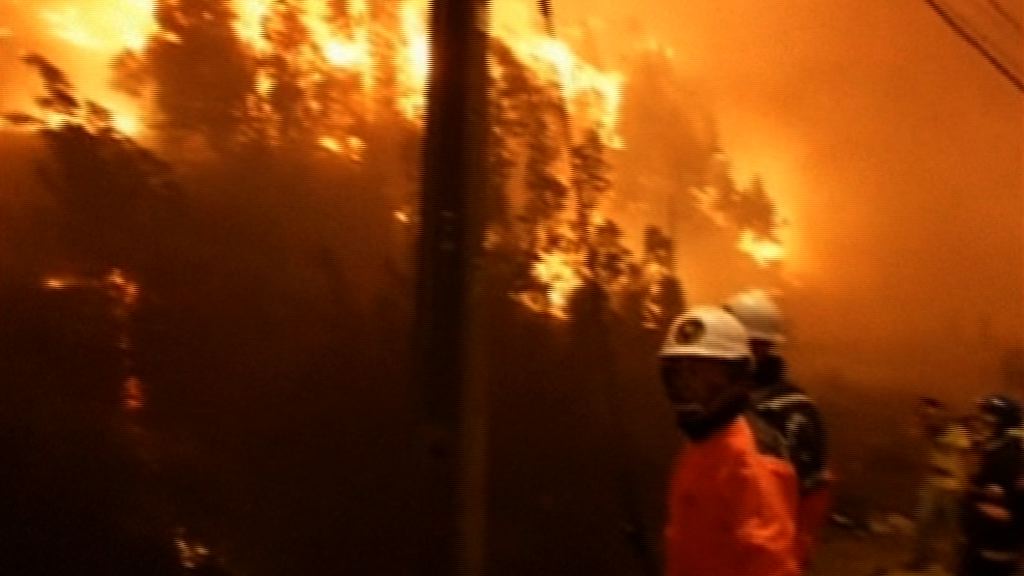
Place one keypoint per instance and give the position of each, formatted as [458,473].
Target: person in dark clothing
[794,414]
[994,517]
[788,409]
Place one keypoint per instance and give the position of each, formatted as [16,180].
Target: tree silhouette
[199,74]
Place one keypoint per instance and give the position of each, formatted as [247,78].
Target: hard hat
[1006,410]
[706,332]
[760,316]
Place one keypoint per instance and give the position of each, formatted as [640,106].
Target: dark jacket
[1002,467]
[791,412]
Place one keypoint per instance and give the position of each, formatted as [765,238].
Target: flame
[345,54]
[330,144]
[115,282]
[593,95]
[348,42]
[250,16]
[191,553]
[103,29]
[349,51]
[125,290]
[414,60]
[127,122]
[766,252]
[108,26]
[124,295]
[352,40]
[561,277]
[351,147]
[59,283]
[132,396]
[346,38]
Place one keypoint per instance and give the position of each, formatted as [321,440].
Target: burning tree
[111,191]
[294,80]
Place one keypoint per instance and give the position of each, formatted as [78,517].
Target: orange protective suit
[732,509]
[812,515]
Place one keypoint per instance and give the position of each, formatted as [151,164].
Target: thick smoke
[896,156]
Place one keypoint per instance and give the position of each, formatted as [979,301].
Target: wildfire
[351,147]
[594,95]
[347,59]
[123,291]
[191,553]
[109,26]
[124,296]
[249,18]
[132,396]
[561,277]
[349,38]
[764,251]
[414,61]
[59,283]
[126,122]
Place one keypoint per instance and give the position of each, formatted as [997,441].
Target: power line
[971,39]
[1002,11]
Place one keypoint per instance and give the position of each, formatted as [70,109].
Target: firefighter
[789,410]
[994,515]
[940,497]
[733,492]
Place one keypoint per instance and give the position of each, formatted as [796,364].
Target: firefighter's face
[696,386]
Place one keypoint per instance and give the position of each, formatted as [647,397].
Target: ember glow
[123,294]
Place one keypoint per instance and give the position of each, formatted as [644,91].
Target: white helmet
[706,332]
[760,316]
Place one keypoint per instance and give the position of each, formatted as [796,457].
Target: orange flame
[414,60]
[764,251]
[108,26]
[561,276]
[351,147]
[125,295]
[103,29]
[58,283]
[132,396]
[350,40]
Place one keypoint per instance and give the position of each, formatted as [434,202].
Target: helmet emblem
[690,331]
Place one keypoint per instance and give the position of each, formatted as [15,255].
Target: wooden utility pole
[448,247]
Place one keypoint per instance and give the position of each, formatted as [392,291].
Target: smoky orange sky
[896,152]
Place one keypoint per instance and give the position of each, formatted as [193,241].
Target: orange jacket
[732,510]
